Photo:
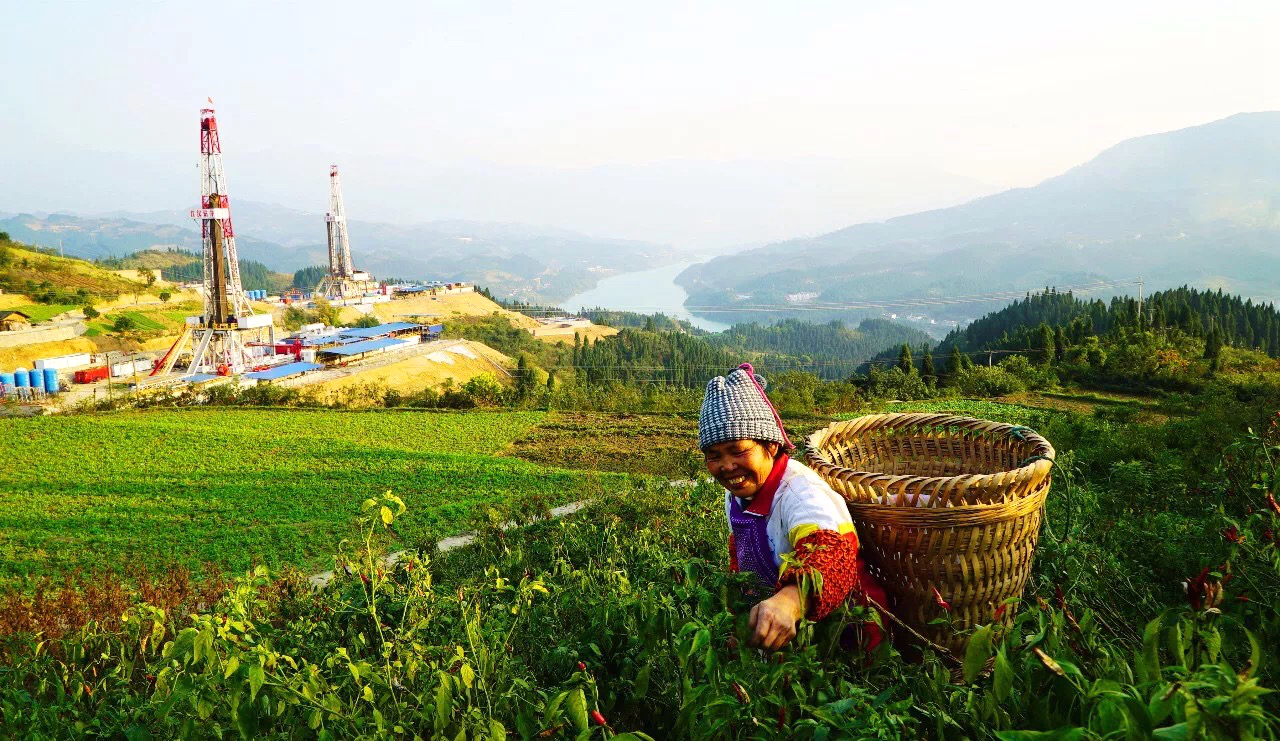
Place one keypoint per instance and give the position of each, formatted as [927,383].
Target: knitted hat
[735,408]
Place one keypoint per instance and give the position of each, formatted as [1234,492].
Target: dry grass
[633,443]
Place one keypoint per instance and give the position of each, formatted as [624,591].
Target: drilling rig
[343,280]
[217,341]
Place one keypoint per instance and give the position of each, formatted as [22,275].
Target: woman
[777,506]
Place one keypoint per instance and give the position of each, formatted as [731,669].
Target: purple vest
[751,538]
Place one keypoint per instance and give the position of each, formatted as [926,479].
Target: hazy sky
[998,94]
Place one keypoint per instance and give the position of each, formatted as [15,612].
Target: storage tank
[37,380]
[6,379]
[21,378]
[51,381]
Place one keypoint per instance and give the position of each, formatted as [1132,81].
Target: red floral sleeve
[733,555]
[835,558]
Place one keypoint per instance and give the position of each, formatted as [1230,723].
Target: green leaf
[233,663]
[1174,644]
[256,677]
[367,694]
[1255,654]
[444,703]
[553,709]
[977,653]
[641,688]
[1173,733]
[578,710]
[468,675]
[387,517]
[497,731]
[1061,734]
[1149,660]
[1003,680]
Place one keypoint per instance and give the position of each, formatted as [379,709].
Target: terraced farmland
[238,487]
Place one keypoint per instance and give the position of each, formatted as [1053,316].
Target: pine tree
[525,381]
[926,365]
[904,359]
[955,363]
[1213,348]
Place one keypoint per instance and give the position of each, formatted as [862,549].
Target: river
[644,292]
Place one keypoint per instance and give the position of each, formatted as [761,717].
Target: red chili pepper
[1242,598]
[1233,535]
[1269,535]
[937,597]
[742,695]
[364,578]
[1196,590]
[782,717]
[1059,597]
[1000,611]
[582,667]
[1272,503]
[597,718]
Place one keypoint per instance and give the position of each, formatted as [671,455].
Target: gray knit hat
[736,408]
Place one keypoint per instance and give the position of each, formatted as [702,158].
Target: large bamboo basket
[942,502]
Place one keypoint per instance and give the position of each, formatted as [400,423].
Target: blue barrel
[51,381]
[261,294]
[21,378]
[6,379]
[37,380]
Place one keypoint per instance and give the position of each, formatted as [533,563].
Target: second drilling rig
[343,281]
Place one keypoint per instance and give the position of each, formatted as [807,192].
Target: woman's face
[741,466]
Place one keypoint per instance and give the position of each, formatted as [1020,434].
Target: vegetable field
[237,487]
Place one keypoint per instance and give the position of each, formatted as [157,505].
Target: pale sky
[996,94]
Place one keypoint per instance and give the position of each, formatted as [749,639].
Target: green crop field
[236,487]
[44,312]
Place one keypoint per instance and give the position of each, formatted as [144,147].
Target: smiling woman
[786,525]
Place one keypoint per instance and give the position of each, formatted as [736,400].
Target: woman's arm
[831,555]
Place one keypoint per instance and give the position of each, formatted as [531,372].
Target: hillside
[51,279]
[182,266]
[530,262]
[1196,206]
[832,350]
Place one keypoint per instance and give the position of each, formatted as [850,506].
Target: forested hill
[1022,324]
[182,266]
[830,350]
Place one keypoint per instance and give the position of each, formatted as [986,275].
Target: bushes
[983,381]
[622,619]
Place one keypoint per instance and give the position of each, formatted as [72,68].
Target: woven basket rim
[909,420]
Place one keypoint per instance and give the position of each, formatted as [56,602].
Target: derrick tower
[218,339]
[343,280]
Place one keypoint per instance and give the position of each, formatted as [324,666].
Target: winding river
[644,292]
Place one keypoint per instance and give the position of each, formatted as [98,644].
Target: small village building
[14,320]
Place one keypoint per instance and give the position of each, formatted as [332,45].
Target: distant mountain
[1198,206]
[514,260]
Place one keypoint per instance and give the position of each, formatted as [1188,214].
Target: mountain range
[1197,206]
[515,260]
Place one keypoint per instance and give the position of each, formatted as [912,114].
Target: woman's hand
[773,621]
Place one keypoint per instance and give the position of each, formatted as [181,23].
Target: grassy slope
[234,487]
[63,272]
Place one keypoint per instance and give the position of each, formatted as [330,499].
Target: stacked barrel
[23,383]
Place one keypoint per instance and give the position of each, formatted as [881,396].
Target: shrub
[983,381]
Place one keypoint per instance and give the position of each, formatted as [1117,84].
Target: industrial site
[379,331]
